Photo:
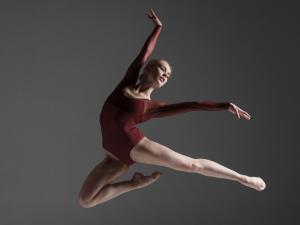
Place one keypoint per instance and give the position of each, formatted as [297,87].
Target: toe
[156,174]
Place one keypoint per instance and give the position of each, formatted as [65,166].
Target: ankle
[244,179]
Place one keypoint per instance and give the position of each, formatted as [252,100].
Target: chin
[160,85]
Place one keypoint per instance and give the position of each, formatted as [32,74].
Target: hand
[151,15]
[238,112]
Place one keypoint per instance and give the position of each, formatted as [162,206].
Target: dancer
[124,144]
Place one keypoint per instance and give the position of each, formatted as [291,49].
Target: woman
[124,144]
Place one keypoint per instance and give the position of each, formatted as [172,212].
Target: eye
[163,68]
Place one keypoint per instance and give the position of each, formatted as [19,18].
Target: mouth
[161,79]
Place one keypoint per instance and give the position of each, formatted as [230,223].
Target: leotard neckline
[136,98]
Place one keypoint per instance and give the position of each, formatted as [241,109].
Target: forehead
[165,64]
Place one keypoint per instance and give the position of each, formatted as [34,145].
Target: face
[160,73]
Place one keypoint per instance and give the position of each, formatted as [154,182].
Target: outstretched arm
[162,109]
[132,72]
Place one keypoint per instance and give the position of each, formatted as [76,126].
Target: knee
[191,165]
[197,166]
[84,202]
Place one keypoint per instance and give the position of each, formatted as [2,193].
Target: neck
[143,88]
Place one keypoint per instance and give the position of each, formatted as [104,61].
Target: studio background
[61,59]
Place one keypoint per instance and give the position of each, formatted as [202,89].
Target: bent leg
[151,152]
[98,187]
[113,190]
[102,174]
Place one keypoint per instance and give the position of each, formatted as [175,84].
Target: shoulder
[161,103]
[157,103]
[126,91]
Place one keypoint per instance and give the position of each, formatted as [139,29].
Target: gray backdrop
[59,62]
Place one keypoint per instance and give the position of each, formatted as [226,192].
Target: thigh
[110,154]
[150,152]
[103,173]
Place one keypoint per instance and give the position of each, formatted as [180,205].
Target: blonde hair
[154,62]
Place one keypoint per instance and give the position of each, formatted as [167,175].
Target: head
[156,72]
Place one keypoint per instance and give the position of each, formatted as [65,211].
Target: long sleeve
[162,109]
[132,72]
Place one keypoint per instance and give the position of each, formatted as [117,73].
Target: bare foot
[139,180]
[254,182]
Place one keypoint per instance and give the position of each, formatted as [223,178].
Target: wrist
[228,105]
[157,22]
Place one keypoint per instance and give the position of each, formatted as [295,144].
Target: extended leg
[151,152]
[213,169]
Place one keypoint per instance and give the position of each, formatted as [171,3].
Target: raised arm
[144,54]
[132,72]
[162,109]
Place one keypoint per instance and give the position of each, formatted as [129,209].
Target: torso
[127,91]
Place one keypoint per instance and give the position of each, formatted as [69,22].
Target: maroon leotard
[120,114]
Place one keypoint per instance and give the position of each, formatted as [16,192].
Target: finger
[237,113]
[233,111]
[247,115]
[149,15]
[154,14]
[150,12]
[244,112]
